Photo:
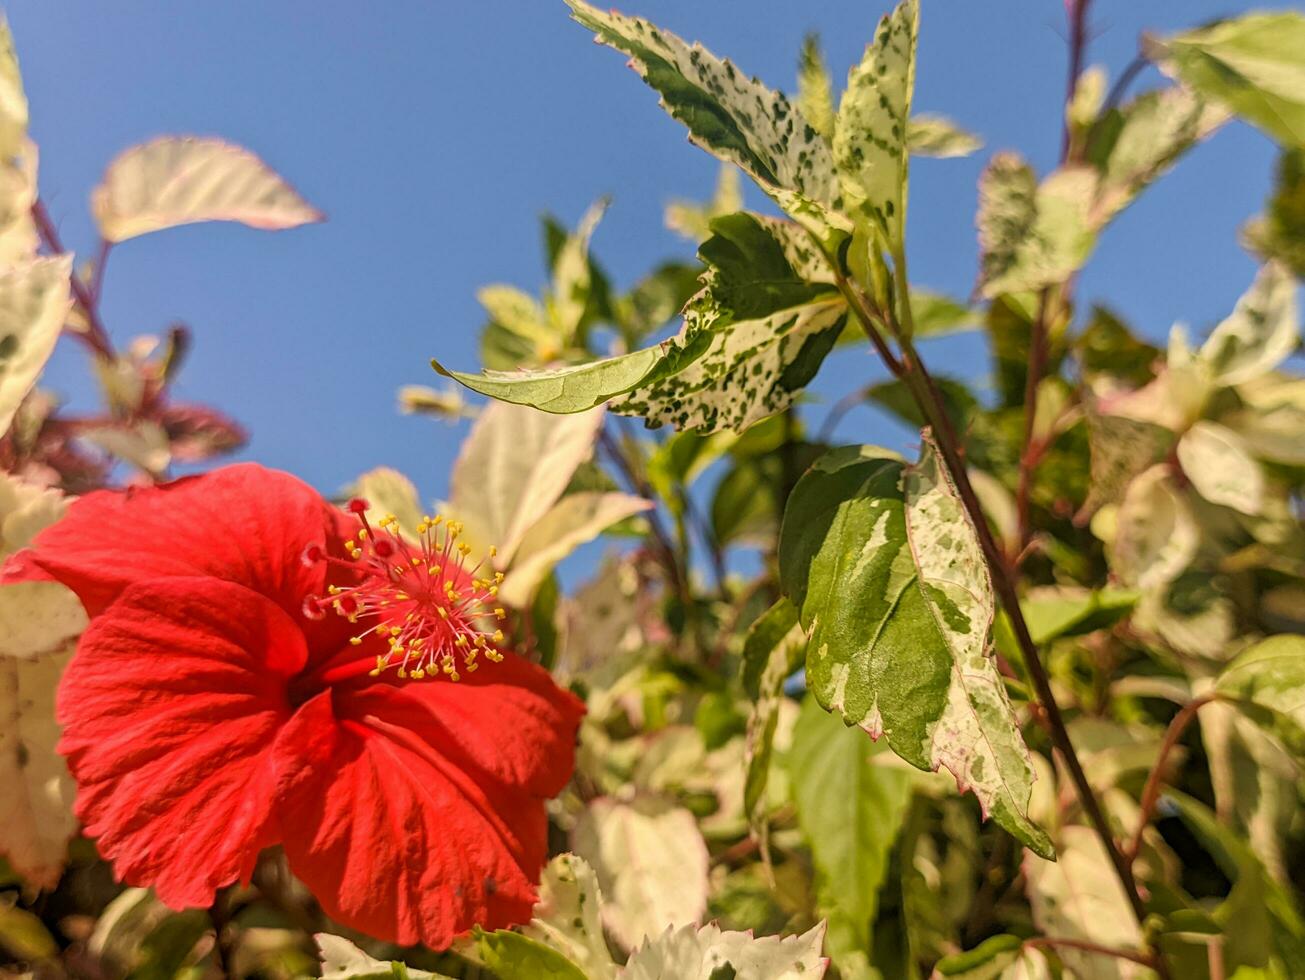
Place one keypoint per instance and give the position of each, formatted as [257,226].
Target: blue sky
[434,134]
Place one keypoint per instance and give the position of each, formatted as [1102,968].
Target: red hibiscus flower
[264,669]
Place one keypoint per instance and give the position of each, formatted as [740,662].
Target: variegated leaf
[13,100]
[815,91]
[870,132]
[1141,141]
[36,819]
[1156,535]
[571,278]
[708,953]
[34,301]
[769,312]
[568,916]
[729,114]
[1032,235]
[930,135]
[886,572]
[1260,333]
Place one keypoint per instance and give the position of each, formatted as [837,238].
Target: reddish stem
[96,337]
[1151,792]
[1057,942]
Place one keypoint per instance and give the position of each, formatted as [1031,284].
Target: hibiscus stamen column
[437,615]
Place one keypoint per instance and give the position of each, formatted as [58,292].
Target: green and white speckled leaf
[930,135]
[886,572]
[1140,141]
[1030,234]
[870,131]
[815,89]
[1260,333]
[568,916]
[13,100]
[769,312]
[1156,534]
[580,387]
[730,115]
[342,960]
[1252,64]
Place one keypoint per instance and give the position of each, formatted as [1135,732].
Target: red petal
[431,820]
[172,708]
[242,523]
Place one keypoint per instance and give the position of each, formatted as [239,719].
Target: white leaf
[35,617]
[179,180]
[513,467]
[34,300]
[651,863]
[36,820]
[568,916]
[143,443]
[572,521]
[1156,534]
[690,953]
[342,960]
[1079,897]
[1221,467]
[13,101]
[571,274]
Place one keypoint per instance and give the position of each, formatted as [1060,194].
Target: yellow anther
[403,674]
[493,552]
[356,554]
[498,636]
[350,545]
[498,577]
[355,641]
[417,674]
[500,613]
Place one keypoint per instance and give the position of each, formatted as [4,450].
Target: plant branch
[95,336]
[1057,942]
[219,913]
[912,371]
[1154,781]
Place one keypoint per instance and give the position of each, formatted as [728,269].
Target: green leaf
[1261,922]
[1280,232]
[651,863]
[870,131]
[770,632]
[34,301]
[770,313]
[568,916]
[342,960]
[887,574]
[707,953]
[1056,611]
[1221,468]
[1270,677]
[179,180]
[1251,64]
[1033,235]
[936,315]
[580,387]
[1001,957]
[929,135]
[850,809]
[513,956]
[728,114]
[1260,333]
[815,90]
[1138,143]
